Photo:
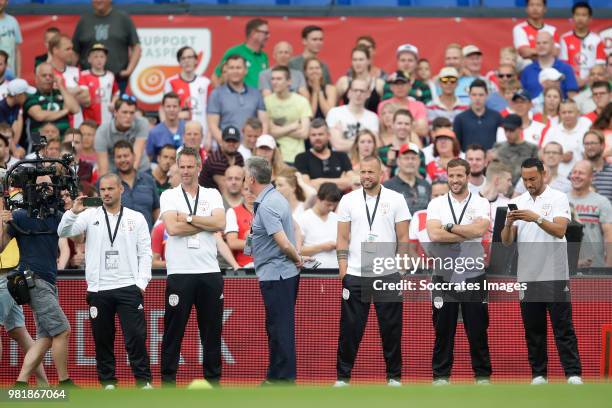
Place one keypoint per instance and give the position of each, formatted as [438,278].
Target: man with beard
[538,225]
[165,159]
[322,165]
[213,171]
[116,281]
[459,219]
[373,220]
[476,157]
[594,145]
[140,191]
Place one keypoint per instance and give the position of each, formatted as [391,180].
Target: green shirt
[284,112]
[47,102]
[256,62]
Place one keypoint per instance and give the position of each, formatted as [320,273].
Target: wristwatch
[448,227]
[189,219]
[540,220]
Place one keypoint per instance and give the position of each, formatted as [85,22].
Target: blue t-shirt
[531,82]
[37,252]
[7,114]
[160,136]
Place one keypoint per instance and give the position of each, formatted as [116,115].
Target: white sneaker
[394,383]
[109,387]
[440,382]
[147,386]
[483,381]
[539,380]
[575,380]
[341,384]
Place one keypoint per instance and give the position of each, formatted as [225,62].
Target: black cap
[512,122]
[521,94]
[397,77]
[231,133]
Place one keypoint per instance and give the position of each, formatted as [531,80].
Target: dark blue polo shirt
[481,130]
[37,252]
[143,197]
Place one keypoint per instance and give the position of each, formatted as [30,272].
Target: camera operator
[39,252]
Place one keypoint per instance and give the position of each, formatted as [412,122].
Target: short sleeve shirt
[286,111]
[592,211]
[234,107]
[273,215]
[182,255]
[10,37]
[255,61]
[107,135]
[53,101]
[392,209]
[541,256]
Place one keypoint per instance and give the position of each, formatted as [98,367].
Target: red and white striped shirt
[71,77]
[193,95]
[524,34]
[582,53]
[101,91]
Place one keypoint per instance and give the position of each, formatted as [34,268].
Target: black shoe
[21,384]
[67,383]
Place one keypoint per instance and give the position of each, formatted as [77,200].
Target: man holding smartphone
[117,269]
[538,220]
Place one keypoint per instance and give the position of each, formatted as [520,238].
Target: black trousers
[128,303]
[205,291]
[279,300]
[357,295]
[475,314]
[534,320]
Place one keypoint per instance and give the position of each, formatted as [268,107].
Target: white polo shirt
[439,209]
[571,140]
[392,209]
[541,256]
[181,255]
[477,207]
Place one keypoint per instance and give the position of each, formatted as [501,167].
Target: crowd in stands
[549,97]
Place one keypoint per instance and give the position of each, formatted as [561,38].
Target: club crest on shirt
[546,209]
[203,207]
[385,208]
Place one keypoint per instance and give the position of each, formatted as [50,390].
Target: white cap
[448,72]
[266,141]
[407,48]
[549,74]
[470,49]
[18,86]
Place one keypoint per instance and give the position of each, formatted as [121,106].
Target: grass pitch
[454,396]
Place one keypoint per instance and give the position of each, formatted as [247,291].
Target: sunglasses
[448,80]
[130,99]
[507,76]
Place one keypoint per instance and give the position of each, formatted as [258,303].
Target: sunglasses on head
[131,99]
[448,80]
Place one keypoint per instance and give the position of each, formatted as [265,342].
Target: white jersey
[193,95]
[3,89]
[524,34]
[582,53]
[71,77]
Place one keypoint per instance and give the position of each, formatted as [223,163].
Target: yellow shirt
[9,258]
[284,112]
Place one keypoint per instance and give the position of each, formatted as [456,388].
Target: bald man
[281,55]
[545,48]
[594,211]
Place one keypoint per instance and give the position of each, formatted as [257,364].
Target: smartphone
[92,202]
[512,207]
[312,264]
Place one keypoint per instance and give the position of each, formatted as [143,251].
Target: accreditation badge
[193,242]
[370,244]
[111,260]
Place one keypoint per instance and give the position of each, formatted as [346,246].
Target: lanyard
[195,205]
[113,236]
[371,218]
[462,212]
